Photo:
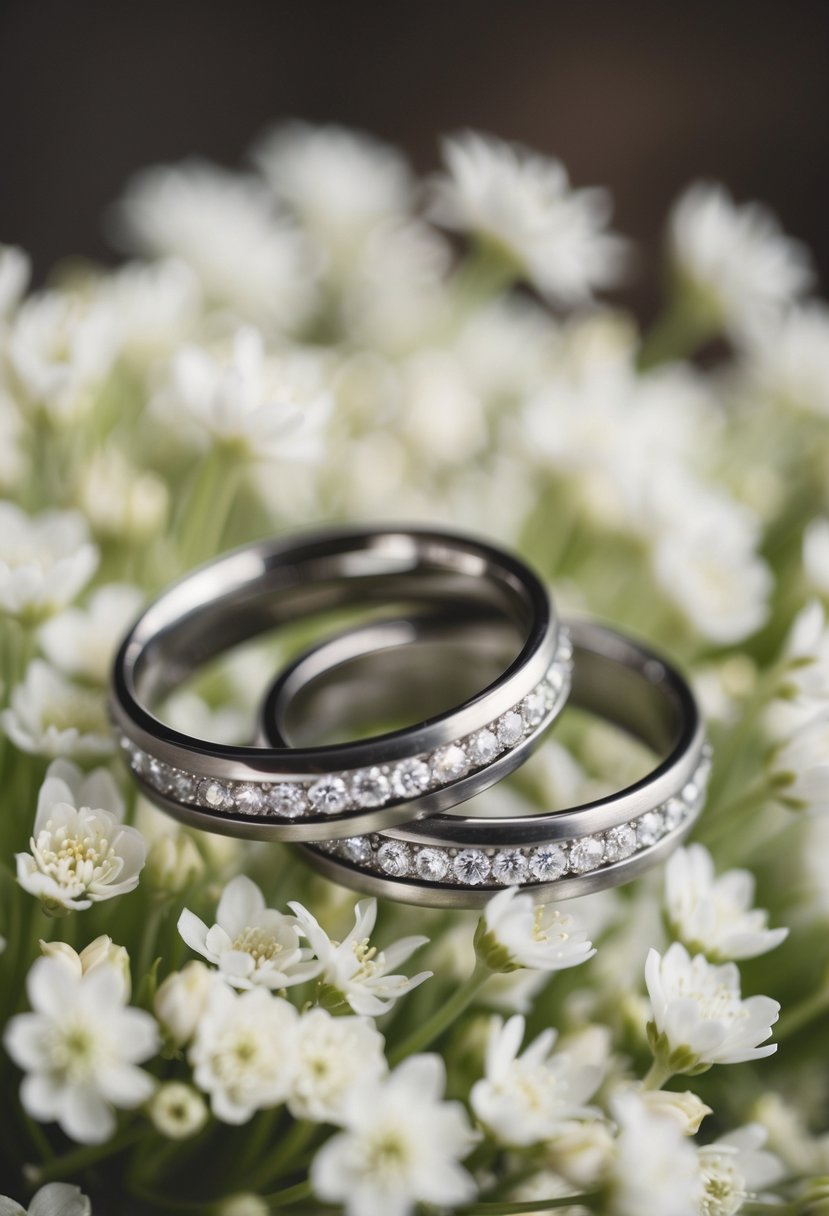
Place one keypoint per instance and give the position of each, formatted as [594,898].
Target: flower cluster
[192,1022]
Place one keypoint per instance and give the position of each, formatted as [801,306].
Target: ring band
[457,860]
[315,793]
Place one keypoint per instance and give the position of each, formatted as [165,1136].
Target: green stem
[678,333]
[508,1208]
[208,505]
[442,1018]
[657,1075]
[149,936]
[794,1020]
[71,1164]
[289,1195]
[732,816]
[288,1151]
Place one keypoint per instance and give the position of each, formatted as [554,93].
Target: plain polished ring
[286,793]
[459,860]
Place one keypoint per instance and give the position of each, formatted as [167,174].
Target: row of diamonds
[368,787]
[390,857]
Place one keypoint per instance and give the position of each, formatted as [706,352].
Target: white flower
[54,1199]
[806,652]
[340,183]
[251,944]
[173,862]
[735,258]
[81,852]
[119,500]
[244,1054]
[790,359]
[699,1017]
[354,968]
[520,934]
[706,560]
[816,554]
[655,1168]
[82,641]
[15,269]
[333,1054]
[79,1049]
[521,203]
[177,1110]
[714,915]
[155,306]
[401,1146]
[736,1168]
[45,560]
[61,350]
[101,952]
[225,227]
[525,1099]
[249,402]
[799,767]
[50,716]
[181,999]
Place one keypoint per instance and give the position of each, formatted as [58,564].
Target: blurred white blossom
[401,1146]
[799,766]
[226,228]
[45,560]
[335,1056]
[180,1000]
[737,1168]
[155,306]
[655,1168]
[15,269]
[81,852]
[177,1110]
[736,258]
[82,641]
[524,1099]
[54,1199]
[522,205]
[80,1049]
[252,945]
[816,554]
[354,968]
[243,1053]
[789,359]
[50,716]
[120,500]
[713,915]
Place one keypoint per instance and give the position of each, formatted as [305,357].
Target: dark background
[641,97]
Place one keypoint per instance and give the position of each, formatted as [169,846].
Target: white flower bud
[177,1110]
[686,1108]
[64,952]
[173,862]
[102,951]
[180,1000]
[243,1204]
[581,1152]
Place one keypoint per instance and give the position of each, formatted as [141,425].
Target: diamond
[329,795]
[213,794]
[586,854]
[649,829]
[510,866]
[619,842]
[450,762]
[483,747]
[395,858]
[249,799]
[182,785]
[471,866]
[533,708]
[370,787]
[157,774]
[692,796]
[548,861]
[356,849]
[138,760]
[673,814]
[286,800]
[510,728]
[410,778]
[431,864]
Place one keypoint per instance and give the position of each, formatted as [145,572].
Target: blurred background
[640,97]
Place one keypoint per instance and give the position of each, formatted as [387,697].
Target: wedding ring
[312,793]
[460,860]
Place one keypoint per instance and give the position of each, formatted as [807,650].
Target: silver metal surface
[615,678]
[272,583]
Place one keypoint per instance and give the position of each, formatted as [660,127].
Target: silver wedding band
[322,792]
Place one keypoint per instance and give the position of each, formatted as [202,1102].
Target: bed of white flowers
[193,1024]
